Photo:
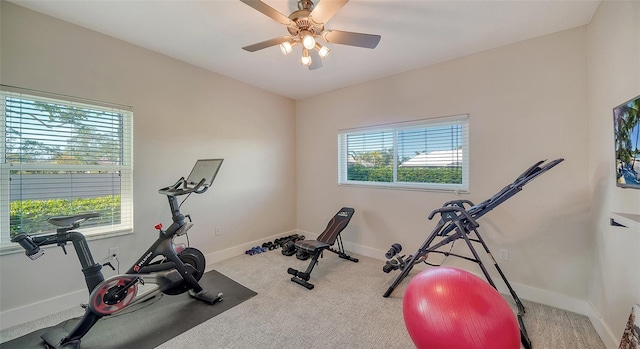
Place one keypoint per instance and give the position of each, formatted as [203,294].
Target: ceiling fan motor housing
[303,22]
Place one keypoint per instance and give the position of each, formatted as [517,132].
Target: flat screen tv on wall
[626,127]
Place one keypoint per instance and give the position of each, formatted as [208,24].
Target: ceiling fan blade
[269,11]
[316,61]
[351,38]
[326,9]
[265,44]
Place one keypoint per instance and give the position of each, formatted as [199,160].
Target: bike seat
[72,220]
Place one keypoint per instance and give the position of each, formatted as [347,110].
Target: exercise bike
[166,267]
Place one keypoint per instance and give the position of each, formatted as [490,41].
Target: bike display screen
[204,168]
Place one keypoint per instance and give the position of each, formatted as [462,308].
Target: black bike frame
[164,246]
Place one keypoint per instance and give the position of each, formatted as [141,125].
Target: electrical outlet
[218,232]
[113,252]
[504,254]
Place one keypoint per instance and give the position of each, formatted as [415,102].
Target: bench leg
[301,278]
[347,257]
[302,283]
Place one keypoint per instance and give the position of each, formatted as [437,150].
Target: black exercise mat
[153,322]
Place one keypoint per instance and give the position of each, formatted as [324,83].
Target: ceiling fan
[306,27]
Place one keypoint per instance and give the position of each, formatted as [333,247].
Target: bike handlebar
[180,188]
[32,250]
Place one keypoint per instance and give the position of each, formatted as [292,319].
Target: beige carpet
[344,310]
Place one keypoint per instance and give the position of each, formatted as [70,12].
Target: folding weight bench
[324,242]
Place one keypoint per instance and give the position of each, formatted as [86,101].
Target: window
[428,154]
[60,156]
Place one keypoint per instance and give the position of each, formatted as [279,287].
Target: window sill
[11,248]
[404,187]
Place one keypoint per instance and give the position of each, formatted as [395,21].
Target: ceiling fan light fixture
[323,51]
[287,46]
[308,41]
[305,59]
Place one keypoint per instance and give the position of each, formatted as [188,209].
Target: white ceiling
[211,33]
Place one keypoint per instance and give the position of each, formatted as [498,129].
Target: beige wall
[614,77]
[526,103]
[181,113]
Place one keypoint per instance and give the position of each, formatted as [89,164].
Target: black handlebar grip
[32,250]
[197,188]
[177,184]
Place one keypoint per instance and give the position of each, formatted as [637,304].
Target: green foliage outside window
[444,175]
[30,216]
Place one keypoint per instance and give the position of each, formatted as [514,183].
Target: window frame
[125,169]
[462,120]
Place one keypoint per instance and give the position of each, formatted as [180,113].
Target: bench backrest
[336,225]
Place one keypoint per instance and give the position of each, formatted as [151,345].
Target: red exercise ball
[450,308]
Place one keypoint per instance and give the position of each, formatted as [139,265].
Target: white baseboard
[34,311]
[604,331]
[230,252]
[524,292]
